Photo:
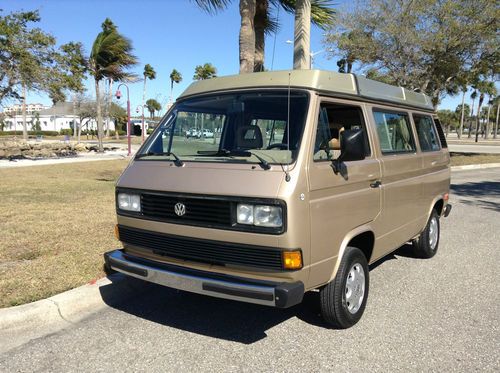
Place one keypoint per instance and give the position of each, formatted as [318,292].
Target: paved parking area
[423,315]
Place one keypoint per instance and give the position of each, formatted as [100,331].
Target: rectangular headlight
[244,213]
[268,216]
[129,202]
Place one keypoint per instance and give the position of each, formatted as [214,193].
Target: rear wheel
[426,245]
[343,300]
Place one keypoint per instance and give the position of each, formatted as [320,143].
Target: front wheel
[343,300]
[426,245]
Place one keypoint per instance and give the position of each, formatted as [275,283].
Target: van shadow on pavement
[218,318]
[477,194]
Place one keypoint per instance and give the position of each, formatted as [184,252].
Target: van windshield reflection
[235,128]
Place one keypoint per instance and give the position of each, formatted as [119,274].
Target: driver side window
[333,119]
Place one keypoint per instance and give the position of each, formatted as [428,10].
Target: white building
[30,108]
[60,116]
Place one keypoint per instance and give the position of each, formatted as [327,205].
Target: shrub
[66,131]
[31,133]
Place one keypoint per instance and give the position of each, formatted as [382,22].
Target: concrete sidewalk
[82,157]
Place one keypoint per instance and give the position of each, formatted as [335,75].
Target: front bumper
[281,295]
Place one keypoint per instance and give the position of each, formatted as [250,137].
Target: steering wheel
[277,145]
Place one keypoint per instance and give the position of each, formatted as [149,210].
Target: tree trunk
[302,35]
[79,129]
[487,125]
[25,125]
[260,20]
[247,36]
[481,98]
[100,129]
[460,131]
[471,115]
[496,122]
[108,106]
[75,126]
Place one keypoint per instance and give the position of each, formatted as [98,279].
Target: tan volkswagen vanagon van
[298,180]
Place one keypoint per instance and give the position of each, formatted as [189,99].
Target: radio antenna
[287,172]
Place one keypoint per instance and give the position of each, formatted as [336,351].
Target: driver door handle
[376,184]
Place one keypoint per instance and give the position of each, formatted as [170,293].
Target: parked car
[208,134]
[359,169]
[193,132]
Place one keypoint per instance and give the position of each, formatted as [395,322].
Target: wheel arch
[363,238]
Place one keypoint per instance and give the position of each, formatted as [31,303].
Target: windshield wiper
[236,153]
[177,161]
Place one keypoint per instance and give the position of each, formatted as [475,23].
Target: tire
[426,245]
[342,303]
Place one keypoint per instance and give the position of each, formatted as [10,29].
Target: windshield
[238,127]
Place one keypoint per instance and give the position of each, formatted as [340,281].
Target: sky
[170,34]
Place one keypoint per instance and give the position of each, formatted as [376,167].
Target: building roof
[328,82]
[60,108]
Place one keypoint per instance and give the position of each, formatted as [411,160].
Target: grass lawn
[55,224]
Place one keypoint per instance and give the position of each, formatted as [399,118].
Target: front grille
[197,210]
[203,251]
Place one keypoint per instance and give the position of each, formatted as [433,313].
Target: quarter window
[394,132]
[426,132]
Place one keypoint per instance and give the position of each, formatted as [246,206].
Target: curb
[21,324]
[475,166]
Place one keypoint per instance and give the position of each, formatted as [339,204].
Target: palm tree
[152,105]
[321,14]
[175,77]
[473,97]
[206,71]
[497,102]
[485,88]
[462,114]
[149,73]
[111,55]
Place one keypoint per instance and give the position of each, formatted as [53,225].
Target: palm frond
[212,6]
[322,11]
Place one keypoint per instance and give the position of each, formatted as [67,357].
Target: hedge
[31,133]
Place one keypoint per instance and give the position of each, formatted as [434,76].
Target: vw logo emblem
[180,209]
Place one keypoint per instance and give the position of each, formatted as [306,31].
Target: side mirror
[352,148]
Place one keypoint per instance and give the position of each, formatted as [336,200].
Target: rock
[80,147]
[2,154]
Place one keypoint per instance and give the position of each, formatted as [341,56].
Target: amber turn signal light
[292,259]
[117,232]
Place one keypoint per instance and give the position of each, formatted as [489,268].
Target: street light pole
[118,95]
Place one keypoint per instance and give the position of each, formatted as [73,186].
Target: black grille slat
[198,210]
[205,251]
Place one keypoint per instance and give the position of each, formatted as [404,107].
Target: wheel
[343,300]
[426,245]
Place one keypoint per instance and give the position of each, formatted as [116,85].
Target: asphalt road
[441,314]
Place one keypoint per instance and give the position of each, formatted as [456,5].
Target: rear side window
[394,132]
[426,132]
[442,137]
